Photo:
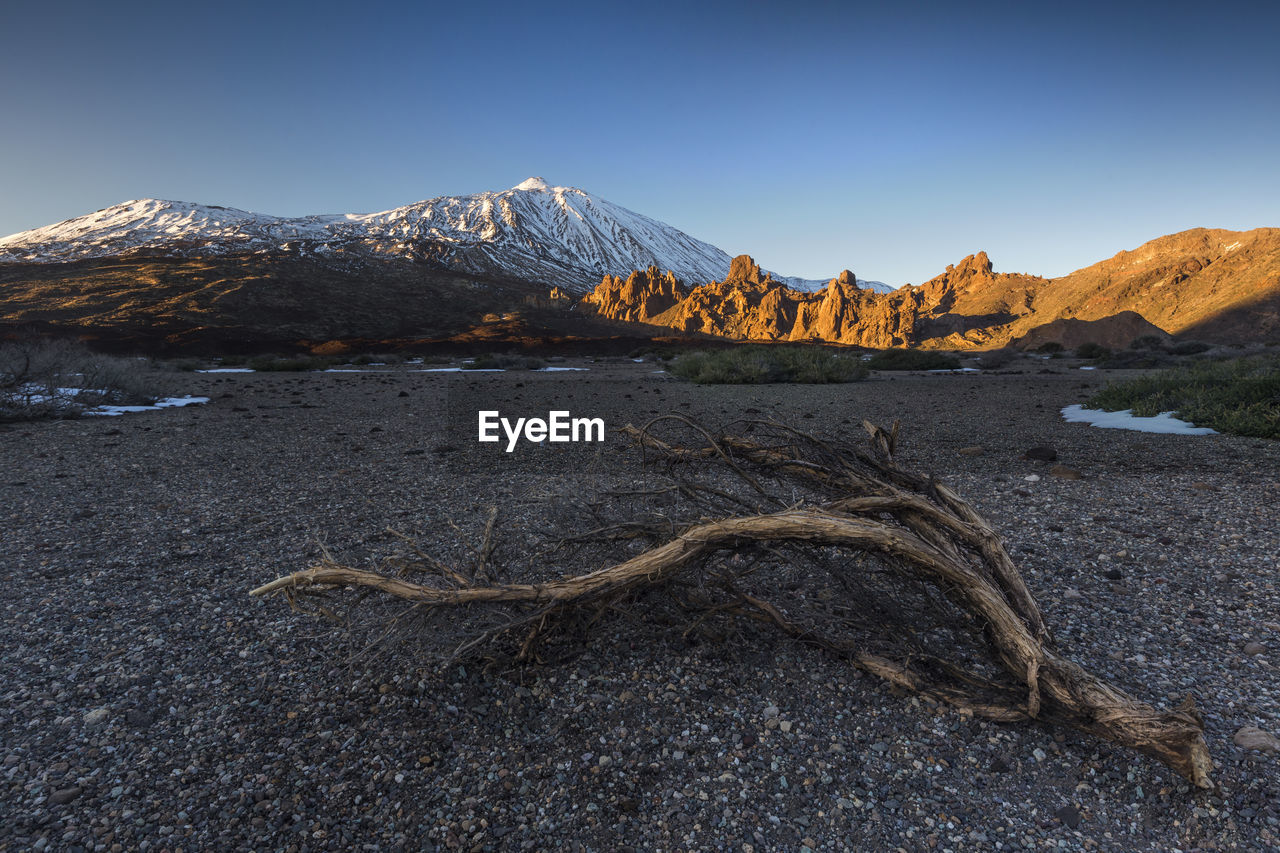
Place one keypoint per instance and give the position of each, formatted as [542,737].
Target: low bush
[47,378]
[1190,347]
[376,358]
[504,361]
[289,364]
[912,359]
[1050,348]
[756,365]
[1092,350]
[997,358]
[1239,396]
[1132,359]
[1148,342]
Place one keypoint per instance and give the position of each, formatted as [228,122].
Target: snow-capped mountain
[557,235]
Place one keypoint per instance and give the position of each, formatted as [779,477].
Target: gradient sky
[815,136]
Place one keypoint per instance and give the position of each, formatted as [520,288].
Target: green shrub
[504,361]
[1131,359]
[997,358]
[294,364]
[1092,350]
[51,378]
[1050,348]
[1239,396]
[1148,342]
[755,365]
[1190,348]
[912,359]
[376,358]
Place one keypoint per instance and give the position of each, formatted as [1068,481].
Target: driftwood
[839,547]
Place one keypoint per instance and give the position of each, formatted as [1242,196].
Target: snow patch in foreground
[166,403]
[228,370]
[461,370]
[1164,422]
[558,369]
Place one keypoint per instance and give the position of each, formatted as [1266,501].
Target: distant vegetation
[1239,396]
[504,361]
[1092,350]
[912,359]
[756,365]
[289,364]
[42,378]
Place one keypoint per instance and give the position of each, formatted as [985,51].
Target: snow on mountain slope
[559,235]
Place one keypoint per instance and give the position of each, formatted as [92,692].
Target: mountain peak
[534,183]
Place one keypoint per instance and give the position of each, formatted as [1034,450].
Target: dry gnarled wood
[901,577]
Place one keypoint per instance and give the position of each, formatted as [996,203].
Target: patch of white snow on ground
[558,369]
[228,370]
[460,370]
[166,403]
[1164,422]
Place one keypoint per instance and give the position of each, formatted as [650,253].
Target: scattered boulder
[1065,473]
[970,451]
[96,717]
[1069,815]
[1254,648]
[1252,737]
[65,795]
[1041,453]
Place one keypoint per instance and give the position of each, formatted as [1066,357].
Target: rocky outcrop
[749,304]
[639,298]
[1211,284]
[556,298]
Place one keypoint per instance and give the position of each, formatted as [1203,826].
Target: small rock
[1064,473]
[141,719]
[970,451]
[1032,478]
[96,717]
[66,795]
[1113,574]
[1254,648]
[770,712]
[1204,487]
[785,725]
[1041,453]
[1069,815]
[1072,595]
[1039,754]
[1252,737]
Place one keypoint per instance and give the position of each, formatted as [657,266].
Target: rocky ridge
[1210,284]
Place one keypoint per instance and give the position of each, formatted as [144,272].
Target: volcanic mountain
[554,236]
[1210,284]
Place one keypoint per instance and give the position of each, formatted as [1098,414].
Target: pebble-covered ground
[148,703]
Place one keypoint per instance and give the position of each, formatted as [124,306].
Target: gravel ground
[150,704]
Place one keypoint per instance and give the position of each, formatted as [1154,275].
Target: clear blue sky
[815,136]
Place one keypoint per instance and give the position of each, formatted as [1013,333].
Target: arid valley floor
[150,703]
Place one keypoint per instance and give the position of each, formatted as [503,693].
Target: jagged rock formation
[1211,284]
[641,297]
[749,304]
